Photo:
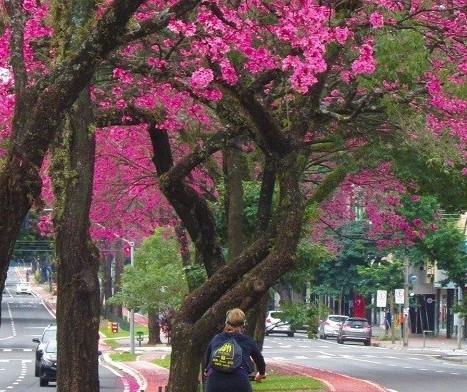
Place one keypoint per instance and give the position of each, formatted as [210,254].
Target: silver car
[355,329]
[330,325]
[274,324]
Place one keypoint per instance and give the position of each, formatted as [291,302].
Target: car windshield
[51,346]
[49,334]
[276,315]
[337,319]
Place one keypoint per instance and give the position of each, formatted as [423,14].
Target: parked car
[355,329]
[330,325]
[274,324]
[48,363]
[49,333]
[23,288]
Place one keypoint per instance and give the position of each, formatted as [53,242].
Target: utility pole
[459,320]
[406,302]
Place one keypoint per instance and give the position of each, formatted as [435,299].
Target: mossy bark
[77,257]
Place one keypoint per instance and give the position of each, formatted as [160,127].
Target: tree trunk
[186,358]
[154,328]
[19,186]
[118,271]
[234,198]
[256,318]
[106,268]
[77,257]
[284,293]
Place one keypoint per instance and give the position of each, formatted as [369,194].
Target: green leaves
[401,55]
[157,279]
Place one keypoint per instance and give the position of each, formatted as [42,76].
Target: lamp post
[406,302]
[132,311]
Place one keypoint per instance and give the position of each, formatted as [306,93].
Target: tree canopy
[322,95]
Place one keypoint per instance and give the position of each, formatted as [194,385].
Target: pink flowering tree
[319,94]
[313,92]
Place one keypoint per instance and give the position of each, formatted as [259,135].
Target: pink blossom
[341,34]
[155,62]
[212,94]
[366,63]
[376,20]
[417,222]
[123,75]
[186,29]
[228,72]
[201,78]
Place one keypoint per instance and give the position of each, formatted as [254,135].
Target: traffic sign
[399,296]
[381,298]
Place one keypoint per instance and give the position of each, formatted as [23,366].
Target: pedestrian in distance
[227,365]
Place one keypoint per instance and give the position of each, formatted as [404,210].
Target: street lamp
[406,302]
[132,311]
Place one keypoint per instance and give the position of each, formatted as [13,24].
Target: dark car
[50,332]
[48,364]
[355,329]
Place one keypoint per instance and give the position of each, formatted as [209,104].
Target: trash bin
[140,337]
[114,327]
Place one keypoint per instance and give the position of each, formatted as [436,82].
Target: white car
[330,325]
[274,324]
[23,288]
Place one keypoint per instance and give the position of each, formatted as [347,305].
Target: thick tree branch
[154,25]
[190,207]
[17,20]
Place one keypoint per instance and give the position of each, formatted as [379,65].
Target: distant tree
[337,275]
[157,280]
[447,248]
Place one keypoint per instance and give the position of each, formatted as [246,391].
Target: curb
[127,369]
[462,358]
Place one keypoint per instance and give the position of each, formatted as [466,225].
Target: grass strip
[294,383]
[124,356]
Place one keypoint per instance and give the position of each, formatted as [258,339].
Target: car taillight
[346,327]
[268,320]
[327,323]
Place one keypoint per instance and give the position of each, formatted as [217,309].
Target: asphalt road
[23,318]
[403,370]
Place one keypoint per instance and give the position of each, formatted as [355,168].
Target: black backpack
[226,356]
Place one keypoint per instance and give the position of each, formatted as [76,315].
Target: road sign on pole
[381,298]
[399,296]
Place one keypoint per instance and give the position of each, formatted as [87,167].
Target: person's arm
[259,361]
[207,359]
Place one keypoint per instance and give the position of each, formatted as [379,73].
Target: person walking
[236,378]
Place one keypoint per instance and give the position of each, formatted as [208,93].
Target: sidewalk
[144,376]
[440,346]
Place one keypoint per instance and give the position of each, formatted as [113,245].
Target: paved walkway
[144,376]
